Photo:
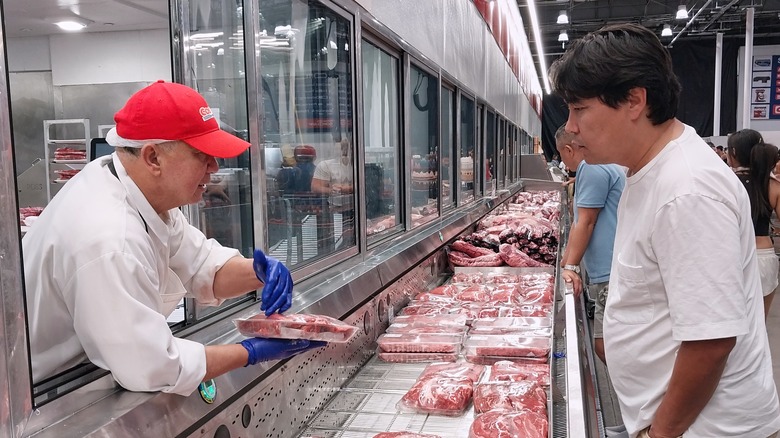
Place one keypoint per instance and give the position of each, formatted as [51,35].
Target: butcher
[112,255]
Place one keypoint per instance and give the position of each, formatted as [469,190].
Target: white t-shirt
[334,171]
[685,269]
[101,282]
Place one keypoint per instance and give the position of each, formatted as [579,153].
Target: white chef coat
[684,269]
[101,282]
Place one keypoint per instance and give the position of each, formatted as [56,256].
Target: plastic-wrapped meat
[492,220]
[527,323]
[510,396]
[536,310]
[507,346]
[503,371]
[421,330]
[503,424]
[462,277]
[438,395]
[458,258]
[417,357]
[425,309]
[427,321]
[501,278]
[405,435]
[431,297]
[442,388]
[295,326]
[522,331]
[475,293]
[506,294]
[419,343]
[446,290]
[537,297]
[469,249]
[516,258]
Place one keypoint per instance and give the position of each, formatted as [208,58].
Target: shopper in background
[112,255]
[334,178]
[685,343]
[753,161]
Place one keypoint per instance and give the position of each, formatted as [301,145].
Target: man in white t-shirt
[335,178]
[684,330]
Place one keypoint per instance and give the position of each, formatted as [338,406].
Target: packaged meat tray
[422,343]
[508,371]
[510,396]
[428,309]
[528,322]
[545,332]
[425,329]
[504,424]
[417,357]
[435,320]
[507,346]
[443,389]
[295,326]
[405,435]
[490,360]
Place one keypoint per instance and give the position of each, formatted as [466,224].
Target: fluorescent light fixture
[667,32]
[563,37]
[206,35]
[539,48]
[563,18]
[682,12]
[71,25]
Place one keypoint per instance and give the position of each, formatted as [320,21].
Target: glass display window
[424,142]
[447,147]
[307,119]
[382,141]
[468,141]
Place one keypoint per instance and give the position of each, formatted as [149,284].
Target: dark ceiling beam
[720,13]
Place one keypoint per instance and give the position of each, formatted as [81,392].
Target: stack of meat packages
[491,295]
[511,401]
[522,233]
[420,338]
[70,154]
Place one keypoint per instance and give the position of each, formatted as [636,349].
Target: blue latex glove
[263,349]
[277,283]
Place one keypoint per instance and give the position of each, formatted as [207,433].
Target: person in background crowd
[685,343]
[722,153]
[592,234]
[753,161]
[334,178]
[556,161]
[112,255]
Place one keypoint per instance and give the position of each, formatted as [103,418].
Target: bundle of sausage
[296,326]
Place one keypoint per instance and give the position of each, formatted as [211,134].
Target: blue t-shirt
[599,186]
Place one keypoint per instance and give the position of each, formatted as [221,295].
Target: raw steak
[516,258]
[418,357]
[438,395]
[296,326]
[458,258]
[502,424]
[510,396]
[509,371]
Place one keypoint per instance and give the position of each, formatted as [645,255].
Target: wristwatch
[573,268]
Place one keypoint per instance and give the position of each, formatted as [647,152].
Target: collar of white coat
[138,201]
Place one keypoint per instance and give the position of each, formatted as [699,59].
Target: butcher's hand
[262,349]
[574,279]
[277,283]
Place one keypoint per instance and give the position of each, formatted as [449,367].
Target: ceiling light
[682,12]
[71,25]
[667,32]
[538,42]
[563,36]
[563,18]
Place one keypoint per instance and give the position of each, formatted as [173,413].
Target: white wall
[95,58]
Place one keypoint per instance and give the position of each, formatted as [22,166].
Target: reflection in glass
[447,146]
[467,142]
[424,142]
[490,151]
[381,121]
[500,159]
[306,74]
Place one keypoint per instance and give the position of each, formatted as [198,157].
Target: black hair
[608,63]
[748,148]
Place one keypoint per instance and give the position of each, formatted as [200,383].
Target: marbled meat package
[296,326]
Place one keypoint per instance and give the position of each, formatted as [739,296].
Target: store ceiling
[26,18]
[727,16]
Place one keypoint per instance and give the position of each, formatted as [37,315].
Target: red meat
[502,424]
[510,396]
[438,395]
[296,326]
[509,371]
[470,250]
[458,258]
[516,258]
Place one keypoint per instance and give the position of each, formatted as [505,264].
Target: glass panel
[382,140]
[424,141]
[306,71]
[216,55]
[447,146]
[490,152]
[500,148]
[467,142]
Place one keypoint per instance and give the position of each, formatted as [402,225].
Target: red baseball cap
[166,111]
